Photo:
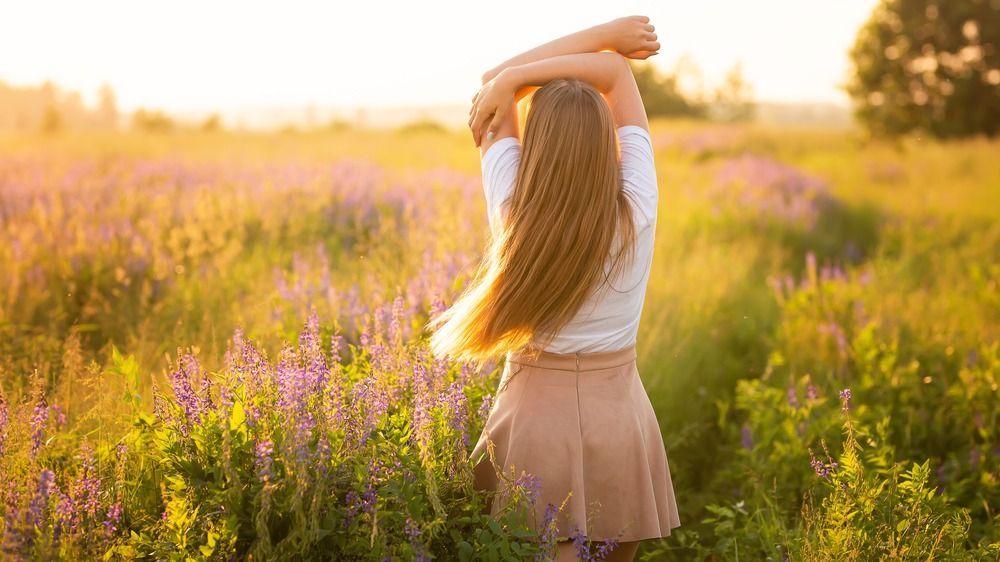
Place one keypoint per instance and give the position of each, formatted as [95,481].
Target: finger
[650,28]
[477,125]
[472,118]
[483,125]
[474,132]
[652,46]
[650,37]
[495,124]
[643,19]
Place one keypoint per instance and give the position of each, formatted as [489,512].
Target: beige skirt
[582,424]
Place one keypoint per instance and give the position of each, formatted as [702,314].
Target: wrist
[603,37]
[508,78]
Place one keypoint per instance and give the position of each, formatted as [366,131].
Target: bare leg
[624,553]
[566,552]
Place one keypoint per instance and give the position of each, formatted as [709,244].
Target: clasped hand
[631,36]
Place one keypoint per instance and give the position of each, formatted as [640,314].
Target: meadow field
[212,347]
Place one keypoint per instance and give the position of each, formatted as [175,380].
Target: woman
[560,289]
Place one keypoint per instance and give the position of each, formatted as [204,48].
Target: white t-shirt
[609,319]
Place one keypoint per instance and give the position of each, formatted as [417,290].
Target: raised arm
[630,36]
[608,72]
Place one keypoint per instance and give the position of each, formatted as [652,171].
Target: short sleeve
[639,172]
[499,173]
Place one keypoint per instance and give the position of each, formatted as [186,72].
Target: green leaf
[238,416]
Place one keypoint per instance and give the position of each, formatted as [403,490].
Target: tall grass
[819,341]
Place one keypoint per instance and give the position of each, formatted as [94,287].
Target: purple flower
[67,518]
[264,461]
[823,470]
[530,484]
[746,437]
[793,397]
[457,410]
[181,381]
[485,407]
[412,530]
[812,393]
[371,403]
[60,416]
[4,421]
[548,535]
[112,518]
[771,190]
[39,416]
[604,548]
[46,486]
[845,399]
[395,324]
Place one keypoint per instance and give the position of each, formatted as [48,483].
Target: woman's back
[609,318]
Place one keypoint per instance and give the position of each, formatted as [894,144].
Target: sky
[210,55]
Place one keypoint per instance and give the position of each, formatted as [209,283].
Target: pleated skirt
[583,426]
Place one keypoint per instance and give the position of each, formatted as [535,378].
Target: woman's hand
[633,37]
[491,104]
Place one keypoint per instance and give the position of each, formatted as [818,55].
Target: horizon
[223,65]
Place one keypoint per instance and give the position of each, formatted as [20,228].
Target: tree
[52,121]
[212,123]
[928,65]
[107,108]
[661,93]
[734,98]
[151,121]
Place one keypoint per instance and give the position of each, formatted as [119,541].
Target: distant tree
[339,125]
[107,108]
[929,65]
[422,125]
[734,98]
[152,121]
[52,121]
[661,93]
[212,123]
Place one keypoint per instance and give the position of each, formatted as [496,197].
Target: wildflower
[112,518]
[4,420]
[67,518]
[746,438]
[437,306]
[845,399]
[59,415]
[395,325]
[823,470]
[580,543]
[264,461]
[604,548]
[46,486]
[530,485]
[486,406]
[548,535]
[456,402]
[793,397]
[181,381]
[812,392]
[39,416]
[353,502]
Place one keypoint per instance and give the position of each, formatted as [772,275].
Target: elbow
[621,63]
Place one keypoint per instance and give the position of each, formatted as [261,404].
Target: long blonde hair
[564,214]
